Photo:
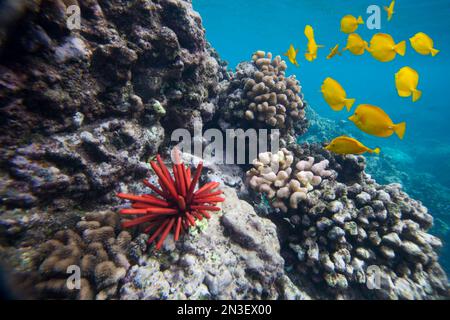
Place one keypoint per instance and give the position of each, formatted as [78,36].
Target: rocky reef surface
[236,255]
[82,112]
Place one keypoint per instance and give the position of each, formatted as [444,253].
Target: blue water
[237,28]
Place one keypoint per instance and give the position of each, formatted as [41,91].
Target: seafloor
[83,110]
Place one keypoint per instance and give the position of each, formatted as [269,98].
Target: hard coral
[96,246]
[178,206]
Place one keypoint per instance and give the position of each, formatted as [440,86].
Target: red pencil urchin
[178,206]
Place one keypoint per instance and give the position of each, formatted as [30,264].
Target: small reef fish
[335,95]
[312,46]
[423,44]
[373,120]
[390,10]
[356,44]
[347,145]
[406,81]
[384,49]
[334,51]
[292,55]
[349,23]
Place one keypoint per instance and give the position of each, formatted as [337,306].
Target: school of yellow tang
[368,118]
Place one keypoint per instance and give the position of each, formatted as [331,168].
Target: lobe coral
[178,206]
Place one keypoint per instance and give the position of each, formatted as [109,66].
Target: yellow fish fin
[309,56]
[416,94]
[286,54]
[434,52]
[399,129]
[400,48]
[376,150]
[360,20]
[403,93]
[296,63]
[349,103]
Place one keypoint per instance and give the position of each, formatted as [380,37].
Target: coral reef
[261,94]
[178,207]
[273,175]
[84,108]
[96,247]
[355,235]
[82,111]
[235,257]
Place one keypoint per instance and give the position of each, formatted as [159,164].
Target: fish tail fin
[349,103]
[296,64]
[416,94]
[360,20]
[366,46]
[386,8]
[434,52]
[400,48]
[376,151]
[399,129]
[296,51]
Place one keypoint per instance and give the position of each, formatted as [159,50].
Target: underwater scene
[224,150]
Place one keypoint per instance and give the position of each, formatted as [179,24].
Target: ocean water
[420,162]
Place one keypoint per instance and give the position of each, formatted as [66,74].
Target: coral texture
[234,256]
[357,233]
[261,93]
[178,206]
[273,176]
[84,108]
[96,247]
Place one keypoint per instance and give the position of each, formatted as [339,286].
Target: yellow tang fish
[384,49]
[347,145]
[312,46]
[373,120]
[292,55]
[406,81]
[334,52]
[335,95]
[349,23]
[390,10]
[423,44]
[356,44]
